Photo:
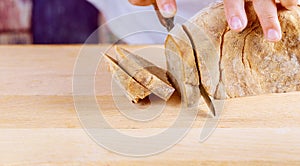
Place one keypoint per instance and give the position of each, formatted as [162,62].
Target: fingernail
[168,10]
[236,23]
[273,35]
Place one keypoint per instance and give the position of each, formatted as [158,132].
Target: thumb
[167,8]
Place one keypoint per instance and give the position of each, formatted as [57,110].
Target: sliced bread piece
[134,91]
[146,73]
[206,29]
[182,68]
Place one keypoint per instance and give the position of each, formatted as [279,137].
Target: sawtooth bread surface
[182,68]
[146,73]
[243,64]
[132,89]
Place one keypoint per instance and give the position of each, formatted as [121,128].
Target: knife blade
[168,23]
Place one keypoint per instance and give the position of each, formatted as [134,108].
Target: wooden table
[39,125]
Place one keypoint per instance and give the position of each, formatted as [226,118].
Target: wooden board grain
[39,124]
[63,146]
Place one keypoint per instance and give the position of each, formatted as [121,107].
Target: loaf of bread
[233,64]
[205,54]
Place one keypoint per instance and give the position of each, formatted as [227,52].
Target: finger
[289,4]
[235,14]
[141,2]
[167,8]
[266,11]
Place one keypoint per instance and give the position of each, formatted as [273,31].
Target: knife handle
[155,5]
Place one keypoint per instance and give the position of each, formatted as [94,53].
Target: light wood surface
[39,124]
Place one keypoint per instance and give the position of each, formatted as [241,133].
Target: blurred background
[50,22]
[73,21]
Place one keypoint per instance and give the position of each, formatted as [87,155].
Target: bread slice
[206,29]
[235,64]
[134,91]
[182,68]
[146,73]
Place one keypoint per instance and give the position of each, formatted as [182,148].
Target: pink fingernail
[273,35]
[168,10]
[235,23]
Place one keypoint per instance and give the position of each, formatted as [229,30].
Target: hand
[266,11]
[166,7]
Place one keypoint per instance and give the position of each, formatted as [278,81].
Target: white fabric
[113,9]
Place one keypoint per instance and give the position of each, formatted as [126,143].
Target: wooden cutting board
[39,125]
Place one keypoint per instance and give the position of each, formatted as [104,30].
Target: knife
[168,23]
